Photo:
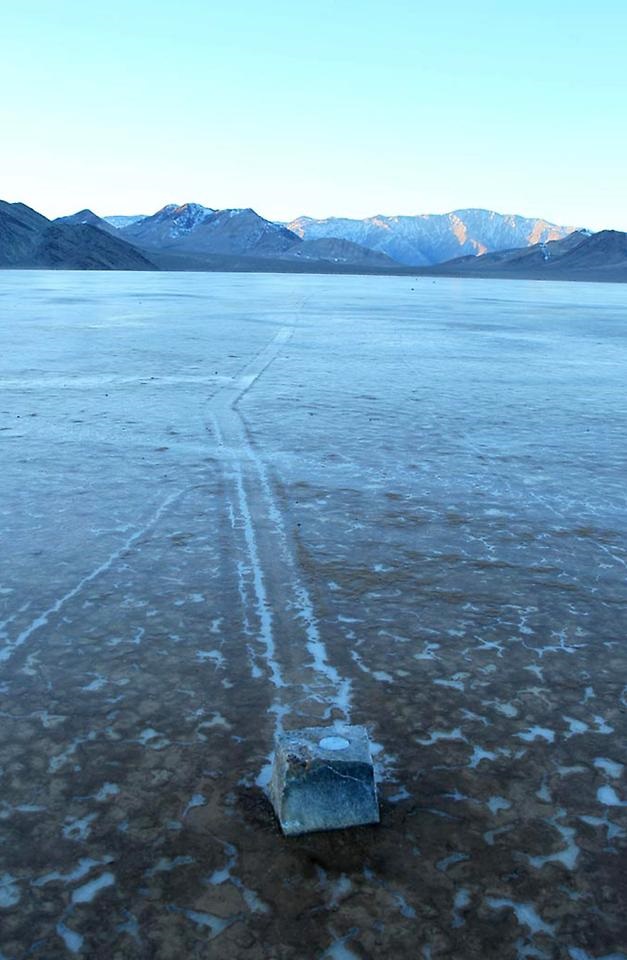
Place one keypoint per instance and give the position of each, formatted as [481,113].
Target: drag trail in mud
[271,586]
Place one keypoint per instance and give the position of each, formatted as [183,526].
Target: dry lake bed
[237,504]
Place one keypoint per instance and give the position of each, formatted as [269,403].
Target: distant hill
[89,217]
[427,239]
[30,240]
[538,254]
[579,256]
[606,251]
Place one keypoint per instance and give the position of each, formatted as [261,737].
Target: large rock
[323,779]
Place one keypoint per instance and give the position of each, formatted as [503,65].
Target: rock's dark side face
[323,779]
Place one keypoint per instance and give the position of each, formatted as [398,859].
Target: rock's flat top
[325,743]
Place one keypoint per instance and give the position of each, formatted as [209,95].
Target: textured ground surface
[235,504]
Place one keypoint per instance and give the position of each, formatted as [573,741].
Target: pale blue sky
[352,107]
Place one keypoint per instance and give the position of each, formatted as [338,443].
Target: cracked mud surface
[238,504]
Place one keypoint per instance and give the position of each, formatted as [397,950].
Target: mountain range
[412,241]
[427,239]
[190,236]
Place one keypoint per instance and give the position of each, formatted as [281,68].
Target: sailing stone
[323,779]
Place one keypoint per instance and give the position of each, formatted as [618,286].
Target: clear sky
[333,107]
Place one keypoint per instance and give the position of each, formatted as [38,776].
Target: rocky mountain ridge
[420,240]
[427,239]
[194,228]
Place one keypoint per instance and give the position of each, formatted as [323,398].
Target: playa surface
[232,505]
